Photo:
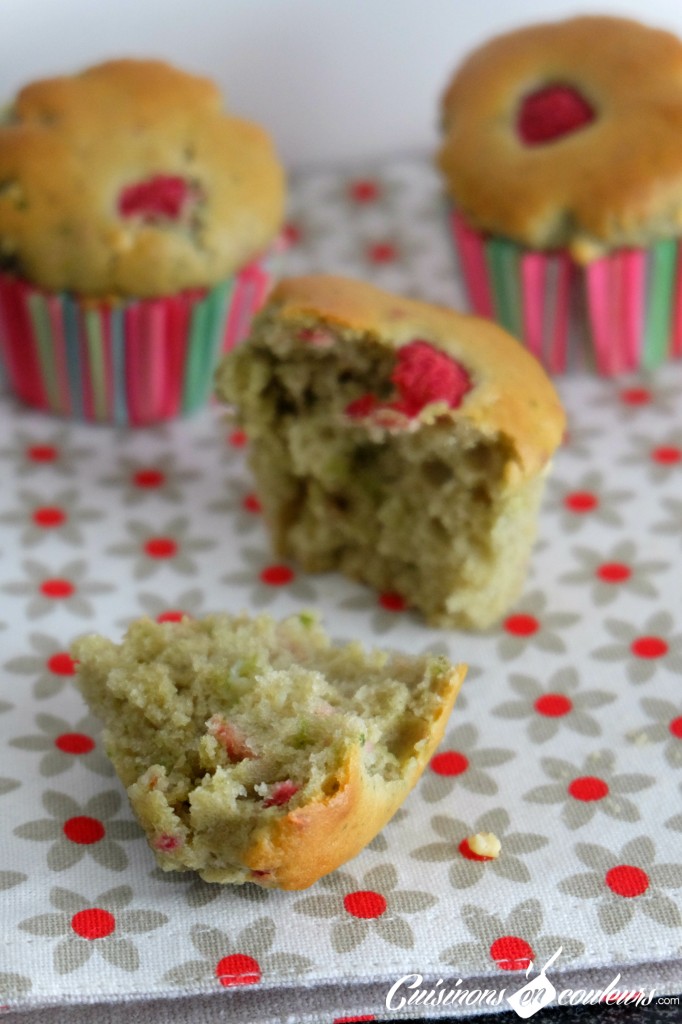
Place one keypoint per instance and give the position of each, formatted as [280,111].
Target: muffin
[401,443]
[562,160]
[256,751]
[135,214]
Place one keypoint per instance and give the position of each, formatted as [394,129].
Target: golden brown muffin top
[130,179]
[568,134]
[510,394]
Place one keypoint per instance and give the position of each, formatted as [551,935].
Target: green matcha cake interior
[219,726]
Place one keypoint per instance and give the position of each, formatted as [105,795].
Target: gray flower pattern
[626,882]
[531,625]
[100,925]
[187,603]
[460,761]
[139,479]
[586,500]
[614,573]
[67,587]
[645,649]
[661,454]
[62,744]
[74,830]
[41,517]
[561,703]
[373,904]
[51,666]
[665,728]
[153,547]
[242,504]
[34,454]
[511,943]
[241,960]
[267,578]
[466,867]
[592,787]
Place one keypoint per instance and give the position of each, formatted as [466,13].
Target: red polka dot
[382,252]
[172,615]
[363,191]
[291,234]
[392,602]
[93,923]
[237,439]
[252,503]
[48,516]
[365,903]
[42,453]
[521,624]
[649,647]
[238,969]
[553,705]
[61,664]
[626,880]
[675,727]
[84,830]
[667,455]
[511,953]
[635,396]
[469,854]
[57,588]
[581,502]
[74,743]
[277,575]
[588,788]
[449,762]
[161,547]
[148,479]
[614,572]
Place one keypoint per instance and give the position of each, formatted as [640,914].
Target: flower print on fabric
[660,455]
[359,907]
[266,578]
[159,477]
[510,943]
[467,867]
[585,500]
[531,625]
[559,704]
[35,454]
[51,667]
[665,727]
[153,546]
[616,571]
[76,830]
[99,925]
[626,883]
[47,589]
[589,789]
[64,744]
[459,761]
[242,959]
[653,645]
[41,516]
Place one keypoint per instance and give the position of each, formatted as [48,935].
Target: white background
[333,80]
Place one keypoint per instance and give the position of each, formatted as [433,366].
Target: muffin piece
[257,751]
[134,211]
[561,156]
[402,443]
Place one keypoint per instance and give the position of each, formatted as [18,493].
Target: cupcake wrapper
[130,363]
[632,299]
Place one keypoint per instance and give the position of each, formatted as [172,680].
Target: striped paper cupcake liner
[632,300]
[130,363]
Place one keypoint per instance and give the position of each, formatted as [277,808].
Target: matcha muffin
[401,443]
[257,751]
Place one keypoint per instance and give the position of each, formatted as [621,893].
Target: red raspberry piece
[161,196]
[281,793]
[552,112]
[423,374]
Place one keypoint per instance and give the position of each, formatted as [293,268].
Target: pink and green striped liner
[632,297]
[130,363]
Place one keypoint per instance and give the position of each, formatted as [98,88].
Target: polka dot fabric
[566,742]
